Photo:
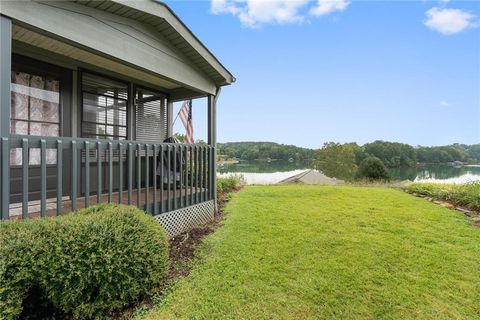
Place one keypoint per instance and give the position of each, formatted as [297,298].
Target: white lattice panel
[181,220]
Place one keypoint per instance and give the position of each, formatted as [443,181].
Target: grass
[321,252]
[467,195]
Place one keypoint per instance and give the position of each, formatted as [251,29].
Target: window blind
[151,116]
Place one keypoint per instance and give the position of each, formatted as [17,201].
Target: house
[86,101]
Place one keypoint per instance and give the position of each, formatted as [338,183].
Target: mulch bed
[182,253]
[182,247]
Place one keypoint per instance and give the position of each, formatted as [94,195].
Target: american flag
[186,117]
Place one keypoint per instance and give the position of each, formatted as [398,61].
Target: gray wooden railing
[88,171]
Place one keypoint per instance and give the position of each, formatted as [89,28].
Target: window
[104,113]
[35,110]
[150,115]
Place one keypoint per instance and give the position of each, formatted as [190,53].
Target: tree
[392,154]
[373,168]
[180,137]
[474,151]
[200,141]
[358,151]
[443,154]
[336,160]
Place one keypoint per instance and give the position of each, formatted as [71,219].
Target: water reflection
[262,172]
[448,174]
[264,166]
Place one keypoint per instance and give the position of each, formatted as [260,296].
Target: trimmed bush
[372,168]
[85,264]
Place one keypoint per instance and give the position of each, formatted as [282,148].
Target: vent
[151,116]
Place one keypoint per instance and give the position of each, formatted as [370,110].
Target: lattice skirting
[181,220]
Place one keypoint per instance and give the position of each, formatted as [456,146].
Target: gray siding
[116,37]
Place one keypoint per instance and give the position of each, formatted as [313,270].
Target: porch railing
[156,177]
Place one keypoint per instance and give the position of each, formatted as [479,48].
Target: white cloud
[449,21]
[253,13]
[444,103]
[324,7]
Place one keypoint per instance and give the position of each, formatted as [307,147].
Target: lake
[262,172]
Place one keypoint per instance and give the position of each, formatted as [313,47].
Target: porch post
[5,70]
[169,119]
[132,119]
[212,141]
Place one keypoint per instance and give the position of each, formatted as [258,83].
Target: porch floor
[51,203]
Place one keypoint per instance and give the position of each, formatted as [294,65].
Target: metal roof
[159,16]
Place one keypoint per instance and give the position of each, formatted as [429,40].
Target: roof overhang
[145,35]
[174,29]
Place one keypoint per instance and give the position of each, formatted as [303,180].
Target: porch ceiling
[41,41]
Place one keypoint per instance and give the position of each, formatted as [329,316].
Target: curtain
[35,102]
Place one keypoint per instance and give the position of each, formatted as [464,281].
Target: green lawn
[314,252]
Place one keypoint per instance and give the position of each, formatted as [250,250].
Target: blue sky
[333,70]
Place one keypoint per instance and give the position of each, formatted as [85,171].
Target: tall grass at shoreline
[465,195]
[229,184]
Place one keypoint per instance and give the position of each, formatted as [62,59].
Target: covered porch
[87,95]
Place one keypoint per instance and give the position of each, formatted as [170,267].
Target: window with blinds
[104,108]
[150,115]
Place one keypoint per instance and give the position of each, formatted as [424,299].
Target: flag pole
[175,120]
[179,113]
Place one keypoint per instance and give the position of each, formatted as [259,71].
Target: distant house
[86,100]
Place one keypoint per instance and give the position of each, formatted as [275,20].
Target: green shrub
[85,264]
[372,168]
[229,184]
[467,195]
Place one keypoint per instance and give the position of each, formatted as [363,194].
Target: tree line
[349,160]
[392,154]
[396,155]
[263,150]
